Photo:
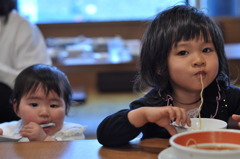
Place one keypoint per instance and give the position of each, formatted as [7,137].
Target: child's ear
[15,108]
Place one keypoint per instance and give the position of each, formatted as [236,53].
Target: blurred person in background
[21,45]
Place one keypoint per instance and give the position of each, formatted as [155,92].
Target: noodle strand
[191,140]
[199,115]
[200,107]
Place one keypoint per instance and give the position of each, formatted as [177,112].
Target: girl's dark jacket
[116,130]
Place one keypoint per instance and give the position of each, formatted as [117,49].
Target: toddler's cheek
[28,119]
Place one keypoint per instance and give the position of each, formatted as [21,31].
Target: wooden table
[82,149]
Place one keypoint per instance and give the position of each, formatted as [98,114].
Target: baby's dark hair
[6,6]
[50,78]
[178,23]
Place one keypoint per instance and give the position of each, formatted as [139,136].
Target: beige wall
[128,30]
[231,29]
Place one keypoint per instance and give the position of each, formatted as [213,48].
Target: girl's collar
[187,103]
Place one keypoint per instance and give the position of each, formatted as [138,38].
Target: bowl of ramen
[206,144]
[202,124]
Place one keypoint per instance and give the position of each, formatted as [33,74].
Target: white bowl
[203,124]
[182,144]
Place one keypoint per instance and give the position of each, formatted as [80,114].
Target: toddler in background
[42,95]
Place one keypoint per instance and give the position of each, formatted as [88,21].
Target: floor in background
[97,107]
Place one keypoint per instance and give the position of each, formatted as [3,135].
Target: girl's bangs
[191,33]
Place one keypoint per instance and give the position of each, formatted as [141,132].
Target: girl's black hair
[50,78]
[6,6]
[181,22]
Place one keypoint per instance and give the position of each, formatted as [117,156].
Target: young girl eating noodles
[182,50]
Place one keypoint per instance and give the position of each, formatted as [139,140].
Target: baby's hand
[237,119]
[33,131]
[1,131]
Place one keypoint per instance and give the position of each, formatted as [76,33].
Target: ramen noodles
[199,112]
[215,146]
[200,107]
[211,146]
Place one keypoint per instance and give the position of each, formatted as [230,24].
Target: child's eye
[181,53]
[33,104]
[206,50]
[54,106]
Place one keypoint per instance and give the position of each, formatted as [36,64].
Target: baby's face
[41,109]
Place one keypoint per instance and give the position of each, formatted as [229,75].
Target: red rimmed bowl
[207,144]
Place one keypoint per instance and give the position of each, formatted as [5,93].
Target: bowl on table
[206,144]
[202,124]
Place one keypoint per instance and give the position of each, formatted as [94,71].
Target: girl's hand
[1,131]
[161,116]
[33,131]
[237,119]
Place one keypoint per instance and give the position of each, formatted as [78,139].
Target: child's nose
[44,112]
[199,60]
